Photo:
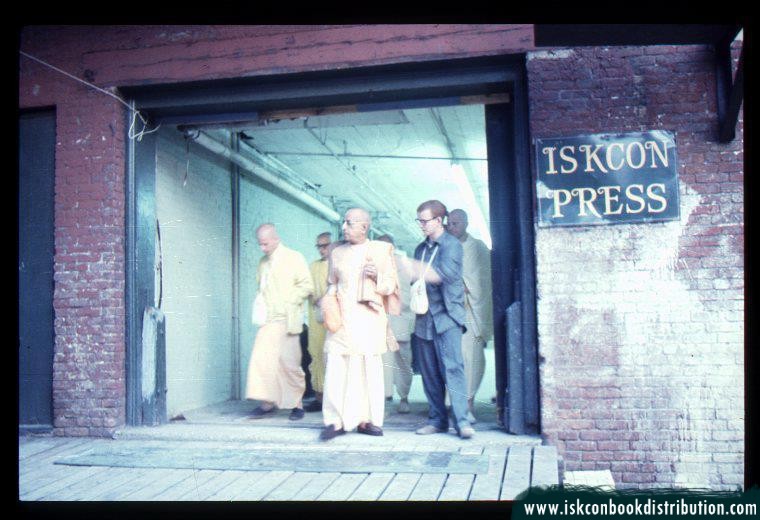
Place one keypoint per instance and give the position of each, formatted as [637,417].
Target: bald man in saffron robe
[363,274]
[275,376]
[476,274]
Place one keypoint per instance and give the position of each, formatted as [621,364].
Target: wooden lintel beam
[486,99]
[279,115]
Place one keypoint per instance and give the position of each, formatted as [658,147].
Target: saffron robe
[354,387]
[274,370]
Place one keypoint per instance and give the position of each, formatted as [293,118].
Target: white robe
[354,388]
[476,271]
[274,370]
[397,366]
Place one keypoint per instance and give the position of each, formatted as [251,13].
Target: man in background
[397,366]
[318,270]
[476,272]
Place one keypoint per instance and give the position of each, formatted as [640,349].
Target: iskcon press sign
[607,178]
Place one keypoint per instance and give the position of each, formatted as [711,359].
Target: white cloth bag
[259,309]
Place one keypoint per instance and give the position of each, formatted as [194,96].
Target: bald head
[359,215]
[356,225]
[457,225]
[267,237]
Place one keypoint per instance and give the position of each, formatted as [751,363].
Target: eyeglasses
[423,221]
[320,246]
[352,222]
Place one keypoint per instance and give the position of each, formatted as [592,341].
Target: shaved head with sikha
[267,237]
[356,225]
[457,225]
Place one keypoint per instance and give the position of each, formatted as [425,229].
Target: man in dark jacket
[439,331]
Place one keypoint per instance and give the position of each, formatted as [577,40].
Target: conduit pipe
[262,171]
[274,164]
[262,167]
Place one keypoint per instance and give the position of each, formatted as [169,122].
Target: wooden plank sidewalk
[511,469]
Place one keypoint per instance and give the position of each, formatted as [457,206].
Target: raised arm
[447,267]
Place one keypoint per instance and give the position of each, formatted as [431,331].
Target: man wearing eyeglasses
[316,345]
[363,274]
[439,330]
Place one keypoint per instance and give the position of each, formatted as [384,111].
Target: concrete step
[306,436]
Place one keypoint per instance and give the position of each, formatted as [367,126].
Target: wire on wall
[135,113]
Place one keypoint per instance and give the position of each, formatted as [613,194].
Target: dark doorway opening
[365,91]
[36,179]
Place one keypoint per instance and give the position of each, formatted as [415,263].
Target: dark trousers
[306,361]
[442,368]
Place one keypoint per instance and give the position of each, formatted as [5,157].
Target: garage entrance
[231,156]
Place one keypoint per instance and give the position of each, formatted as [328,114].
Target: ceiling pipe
[262,166]
[262,171]
[379,201]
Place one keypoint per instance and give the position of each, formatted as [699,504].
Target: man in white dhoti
[397,365]
[275,376]
[363,274]
[476,271]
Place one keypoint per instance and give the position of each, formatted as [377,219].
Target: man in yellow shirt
[275,376]
[318,270]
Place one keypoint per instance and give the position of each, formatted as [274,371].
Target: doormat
[274,460]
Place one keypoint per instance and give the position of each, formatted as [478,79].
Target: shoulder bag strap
[435,250]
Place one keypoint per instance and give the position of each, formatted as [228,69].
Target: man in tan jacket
[275,376]
[476,274]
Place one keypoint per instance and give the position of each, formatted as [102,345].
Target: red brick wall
[645,385]
[136,55]
[641,326]
[89,372]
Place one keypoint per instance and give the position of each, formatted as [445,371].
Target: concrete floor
[236,412]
